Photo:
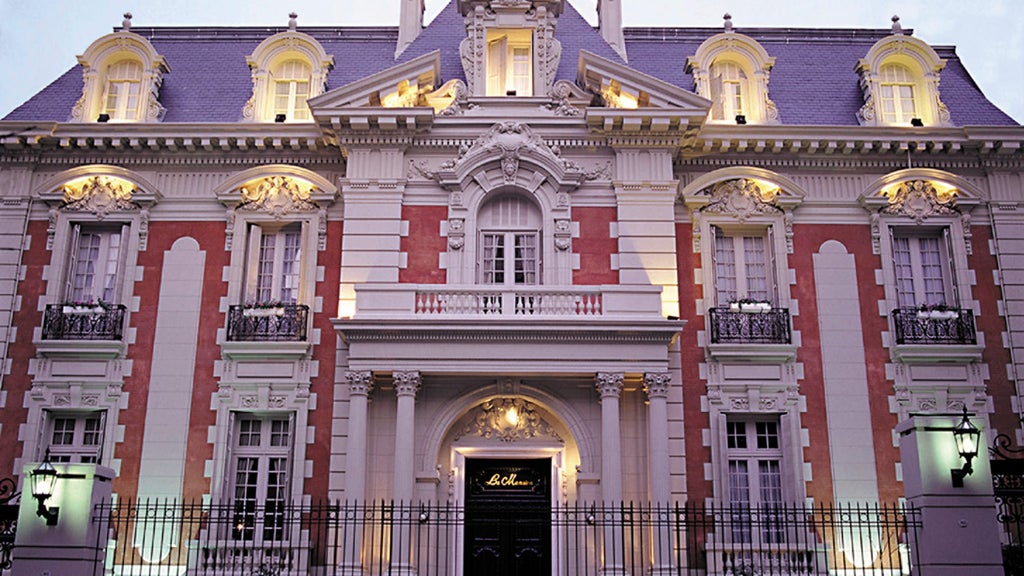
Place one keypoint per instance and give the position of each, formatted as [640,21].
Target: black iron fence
[737,327]
[284,323]
[950,326]
[8,521]
[1008,486]
[432,539]
[99,322]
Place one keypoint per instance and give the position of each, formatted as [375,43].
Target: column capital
[406,383]
[656,384]
[609,384]
[360,382]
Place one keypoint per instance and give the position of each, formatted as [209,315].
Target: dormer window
[291,89]
[122,73]
[899,77]
[509,63]
[731,70]
[288,69]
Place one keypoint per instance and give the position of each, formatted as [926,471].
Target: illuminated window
[121,97]
[728,86]
[897,94]
[509,63]
[291,89]
[260,465]
[75,438]
[509,241]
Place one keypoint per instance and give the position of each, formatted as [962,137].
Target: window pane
[756,269]
[526,259]
[767,435]
[494,259]
[92,434]
[770,478]
[265,270]
[931,270]
[249,432]
[736,433]
[63,432]
[739,483]
[904,272]
[290,266]
[725,269]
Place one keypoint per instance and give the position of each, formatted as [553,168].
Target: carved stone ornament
[742,199]
[406,383]
[360,382]
[100,195]
[656,384]
[508,420]
[920,199]
[609,384]
[277,196]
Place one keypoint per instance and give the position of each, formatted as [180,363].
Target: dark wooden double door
[508,517]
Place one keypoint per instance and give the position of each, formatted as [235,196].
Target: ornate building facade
[657,265]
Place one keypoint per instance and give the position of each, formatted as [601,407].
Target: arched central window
[291,89]
[510,229]
[121,96]
[897,94]
[727,90]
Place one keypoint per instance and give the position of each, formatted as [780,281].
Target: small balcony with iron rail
[276,323]
[755,331]
[935,334]
[84,322]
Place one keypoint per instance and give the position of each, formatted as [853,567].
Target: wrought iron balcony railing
[951,326]
[736,327]
[61,322]
[284,323]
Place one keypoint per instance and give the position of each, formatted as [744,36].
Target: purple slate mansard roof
[813,81]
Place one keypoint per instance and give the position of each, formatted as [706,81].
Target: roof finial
[292,22]
[896,28]
[728,22]
[126,24]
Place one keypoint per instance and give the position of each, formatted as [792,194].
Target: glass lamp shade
[44,480]
[966,435]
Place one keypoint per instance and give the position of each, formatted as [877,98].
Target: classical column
[609,386]
[406,386]
[360,383]
[656,387]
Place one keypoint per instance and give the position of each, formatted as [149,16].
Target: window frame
[270,526]
[294,110]
[739,234]
[256,247]
[73,261]
[749,57]
[274,52]
[123,110]
[502,43]
[75,452]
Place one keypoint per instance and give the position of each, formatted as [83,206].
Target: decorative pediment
[637,103]
[495,159]
[920,194]
[278,196]
[744,194]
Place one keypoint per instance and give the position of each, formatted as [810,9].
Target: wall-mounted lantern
[44,481]
[966,435]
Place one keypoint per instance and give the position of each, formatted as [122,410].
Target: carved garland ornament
[509,420]
[277,196]
[742,199]
[101,196]
[920,200]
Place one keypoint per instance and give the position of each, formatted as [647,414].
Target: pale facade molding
[97,62]
[273,51]
[756,65]
[539,17]
[924,66]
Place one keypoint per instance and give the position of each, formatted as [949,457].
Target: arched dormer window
[122,73]
[899,77]
[287,69]
[731,70]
